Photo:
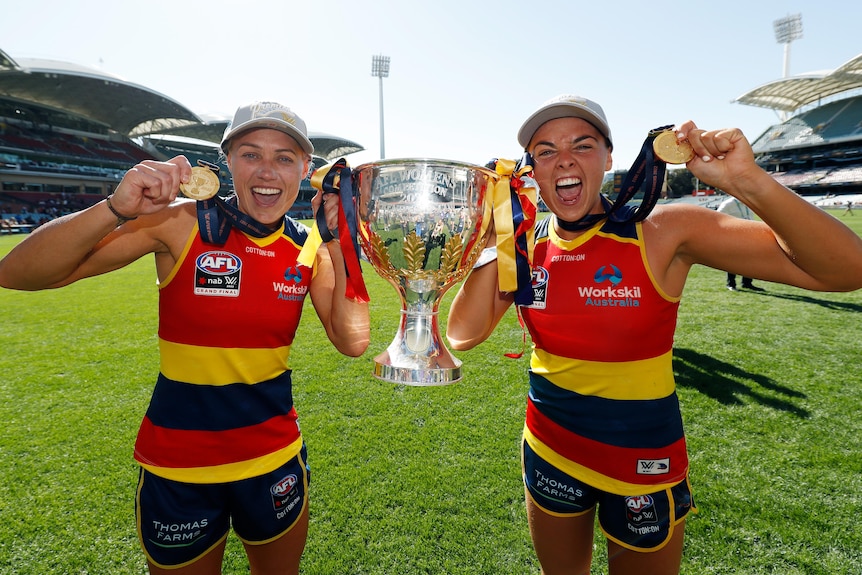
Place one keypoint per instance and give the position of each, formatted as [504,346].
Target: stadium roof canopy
[795,92]
[121,106]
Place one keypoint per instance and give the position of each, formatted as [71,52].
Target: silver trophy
[421,227]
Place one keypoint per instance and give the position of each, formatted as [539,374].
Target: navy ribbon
[328,186]
[216,217]
[523,265]
[646,169]
[339,180]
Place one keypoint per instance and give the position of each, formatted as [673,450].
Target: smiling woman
[220,445]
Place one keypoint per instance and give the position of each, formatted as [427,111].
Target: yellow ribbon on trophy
[513,206]
[314,240]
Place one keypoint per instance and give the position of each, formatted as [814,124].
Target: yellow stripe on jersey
[643,379]
[221,366]
[586,474]
[229,471]
[648,269]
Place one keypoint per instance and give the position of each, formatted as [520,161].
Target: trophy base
[415,375]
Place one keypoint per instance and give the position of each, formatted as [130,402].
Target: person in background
[220,444]
[604,433]
[733,207]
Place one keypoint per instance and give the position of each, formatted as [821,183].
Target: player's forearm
[348,320]
[815,241]
[52,252]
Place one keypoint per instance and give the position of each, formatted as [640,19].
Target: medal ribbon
[514,205]
[336,178]
[216,216]
[647,168]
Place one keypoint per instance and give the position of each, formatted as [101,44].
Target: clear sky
[464,74]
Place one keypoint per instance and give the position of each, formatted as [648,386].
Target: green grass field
[427,480]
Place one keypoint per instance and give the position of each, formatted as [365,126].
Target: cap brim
[556,111]
[284,127]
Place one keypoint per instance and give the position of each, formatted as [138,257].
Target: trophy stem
[417,355]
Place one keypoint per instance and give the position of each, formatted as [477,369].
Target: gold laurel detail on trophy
[380,252]
[202,185]
[450,255]
[380,257]
[671,150]
[414,252]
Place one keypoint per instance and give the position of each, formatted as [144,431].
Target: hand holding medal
[670,150]
[203,184]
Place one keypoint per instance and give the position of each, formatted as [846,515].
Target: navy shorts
[180,522]
[641,523]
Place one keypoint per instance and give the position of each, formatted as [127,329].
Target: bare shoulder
[680,210]
[679,220]
[170,226]
[181,210]
[676,236]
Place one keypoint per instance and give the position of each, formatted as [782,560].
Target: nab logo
[218,263]
[217,274]
[615,276]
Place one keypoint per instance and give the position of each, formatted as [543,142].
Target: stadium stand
[68,134]
[817,149]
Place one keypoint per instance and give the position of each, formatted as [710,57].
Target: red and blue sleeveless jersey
[222,408]
[602,404]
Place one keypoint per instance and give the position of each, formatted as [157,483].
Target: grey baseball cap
[268,115]
[565,106]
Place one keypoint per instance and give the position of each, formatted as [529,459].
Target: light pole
[787,30]
[380,69]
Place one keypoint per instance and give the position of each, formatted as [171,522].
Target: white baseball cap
[565,106]
[268,115]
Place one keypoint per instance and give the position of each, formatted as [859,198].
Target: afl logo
[284,486]
[218,263]
[639,503]
[540,276]
[282,491]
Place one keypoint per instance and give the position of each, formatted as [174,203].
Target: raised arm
[796,243]
[95,240]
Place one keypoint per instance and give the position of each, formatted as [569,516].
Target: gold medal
[203,184]
[671,150]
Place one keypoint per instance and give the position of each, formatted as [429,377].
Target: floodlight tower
[380,69]
[787,30]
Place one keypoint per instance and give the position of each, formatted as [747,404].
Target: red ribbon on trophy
[335,178]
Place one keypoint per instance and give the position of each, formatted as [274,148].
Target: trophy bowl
[421,227]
